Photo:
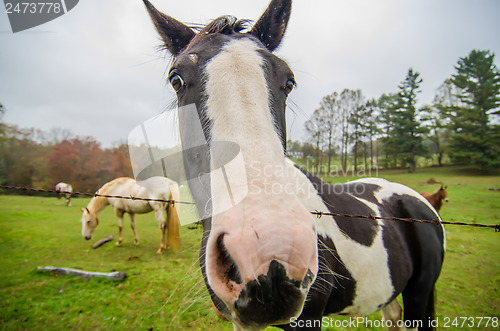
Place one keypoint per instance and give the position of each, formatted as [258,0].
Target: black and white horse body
[265,258]
[365,264]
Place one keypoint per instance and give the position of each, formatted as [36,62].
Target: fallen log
[114,276]
[102,241]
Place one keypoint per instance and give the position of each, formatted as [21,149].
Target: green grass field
[166,292]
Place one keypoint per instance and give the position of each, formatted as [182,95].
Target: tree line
[347,131]
[33,158]
[462,123]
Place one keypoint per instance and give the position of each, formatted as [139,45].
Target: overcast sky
[96,70]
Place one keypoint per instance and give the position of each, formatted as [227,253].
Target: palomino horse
[66,190]
[157,188]
[436,198]
[266,259]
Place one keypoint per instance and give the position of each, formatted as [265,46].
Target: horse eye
[176,82]
[290,84]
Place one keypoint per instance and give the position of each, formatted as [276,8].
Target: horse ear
[175,34]
[271,26]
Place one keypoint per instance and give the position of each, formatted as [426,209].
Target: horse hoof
[118,244]
[159,251]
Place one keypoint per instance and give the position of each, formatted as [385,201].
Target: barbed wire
[404,219]
[318,214]
[96,194]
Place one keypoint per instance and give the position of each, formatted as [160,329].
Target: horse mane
[97,203]
[226,24]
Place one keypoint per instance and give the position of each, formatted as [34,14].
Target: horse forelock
[224,25]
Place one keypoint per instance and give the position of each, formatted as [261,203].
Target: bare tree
[329,116]
[315,128]
[58,135]
[355,101]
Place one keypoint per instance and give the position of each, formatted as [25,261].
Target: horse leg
[392,312]
[418,304]
[162,222]
[132,225]
[68,201]
[119,213]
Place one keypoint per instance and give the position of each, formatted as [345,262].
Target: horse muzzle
[87,237]
[262,264]
[272,298]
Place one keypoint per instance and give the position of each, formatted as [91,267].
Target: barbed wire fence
[96,194]
[317,213]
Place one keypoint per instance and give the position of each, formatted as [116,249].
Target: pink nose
[262,258]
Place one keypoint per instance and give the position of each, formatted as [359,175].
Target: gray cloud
[96,70]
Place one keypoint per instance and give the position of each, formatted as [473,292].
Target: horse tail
[173,210]
[175,195]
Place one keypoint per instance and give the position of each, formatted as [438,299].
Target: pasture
[166,292]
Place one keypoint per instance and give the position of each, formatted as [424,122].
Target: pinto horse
[436,198]
[266,260]
[65,190]
[156,188]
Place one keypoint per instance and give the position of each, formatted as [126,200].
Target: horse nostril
[308,279]
[271,298]
[227,266]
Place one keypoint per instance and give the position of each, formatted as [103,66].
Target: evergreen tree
[387,104]
[405,131]
[474,123]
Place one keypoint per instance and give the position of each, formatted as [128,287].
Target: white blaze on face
[87,229]
[253,208]
[238,106]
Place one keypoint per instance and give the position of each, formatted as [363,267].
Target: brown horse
[436,198]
